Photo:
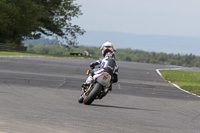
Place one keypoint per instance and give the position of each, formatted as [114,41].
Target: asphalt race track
[39,95]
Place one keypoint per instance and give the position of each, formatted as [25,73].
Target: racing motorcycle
[97,89]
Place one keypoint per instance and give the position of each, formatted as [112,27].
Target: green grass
[3,53]
[189,81]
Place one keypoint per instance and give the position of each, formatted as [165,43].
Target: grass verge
[3,53]
[189,81]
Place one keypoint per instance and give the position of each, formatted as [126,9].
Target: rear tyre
[93,94]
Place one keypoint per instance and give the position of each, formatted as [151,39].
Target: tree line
[29,19]
[128,54]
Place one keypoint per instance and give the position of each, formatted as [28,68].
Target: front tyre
[80,100]
[93,94]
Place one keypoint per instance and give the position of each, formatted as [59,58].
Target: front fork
[86,90]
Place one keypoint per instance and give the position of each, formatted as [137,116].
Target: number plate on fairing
[104,79]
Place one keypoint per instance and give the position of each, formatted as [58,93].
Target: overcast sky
[159,17]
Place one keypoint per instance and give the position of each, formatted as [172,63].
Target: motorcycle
[97,89]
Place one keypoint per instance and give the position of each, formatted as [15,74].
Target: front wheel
[80,100]
[93,94]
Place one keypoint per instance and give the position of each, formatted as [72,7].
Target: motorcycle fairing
[103,78]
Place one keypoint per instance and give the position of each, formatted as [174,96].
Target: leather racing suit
[107,64]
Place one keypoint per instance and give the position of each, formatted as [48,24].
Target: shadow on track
[119,107]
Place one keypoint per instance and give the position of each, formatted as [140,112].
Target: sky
[143,17]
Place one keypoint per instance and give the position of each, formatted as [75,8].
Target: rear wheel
[93,94]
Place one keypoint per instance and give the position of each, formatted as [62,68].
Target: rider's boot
[110,88]
[103,94]
[88,81]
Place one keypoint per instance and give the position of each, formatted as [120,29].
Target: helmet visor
[107,46]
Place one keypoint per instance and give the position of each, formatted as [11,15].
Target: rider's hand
[92,67]
[93,64]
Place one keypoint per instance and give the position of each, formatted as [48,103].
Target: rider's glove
[93,64]
[92,67]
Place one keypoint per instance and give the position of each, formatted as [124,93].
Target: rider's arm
[93,64]
[97,62]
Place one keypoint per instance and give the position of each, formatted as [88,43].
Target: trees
[28,19]
[58,14]
[18,20]
[122,55]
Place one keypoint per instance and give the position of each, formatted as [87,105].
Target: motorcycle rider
[107,64]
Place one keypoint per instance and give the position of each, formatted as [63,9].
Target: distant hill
[156,43]
[42,40]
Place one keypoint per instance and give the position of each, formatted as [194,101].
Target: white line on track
[158,71]
[119,86]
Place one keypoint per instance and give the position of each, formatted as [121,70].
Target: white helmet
[107,47]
